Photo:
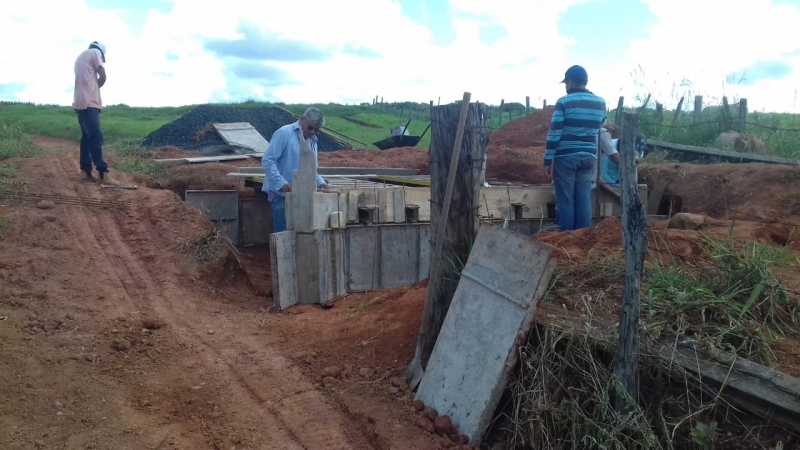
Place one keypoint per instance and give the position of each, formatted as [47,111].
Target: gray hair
[315,116]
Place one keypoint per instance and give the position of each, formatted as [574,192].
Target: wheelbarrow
[401,140]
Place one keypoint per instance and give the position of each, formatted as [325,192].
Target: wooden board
[343,171]
[203,159]
[411,180]
[722,155]
[241,134]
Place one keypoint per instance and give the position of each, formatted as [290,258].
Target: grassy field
[125,126]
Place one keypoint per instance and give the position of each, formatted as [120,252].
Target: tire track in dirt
[303,413]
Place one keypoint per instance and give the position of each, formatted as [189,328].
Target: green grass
[123,125]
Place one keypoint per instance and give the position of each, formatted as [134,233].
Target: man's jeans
[91,140]
[572,181]
[278,205]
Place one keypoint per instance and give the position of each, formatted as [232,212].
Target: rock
[210,331]
[447,442]
[61,413]
[430,413]
[197,388]
[70,316]
[426,425]
[444,426]
[418,405]
[461,439]
[309,359]
[91,357]
[365,372]
[45,204]
[686,221]
[393,390]
[121,345]
[330,383]
[59,405]
[331,371]
[152,324]
[399,383]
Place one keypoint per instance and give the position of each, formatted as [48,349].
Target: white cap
[101,46]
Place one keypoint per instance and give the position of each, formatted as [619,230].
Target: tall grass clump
[15,144]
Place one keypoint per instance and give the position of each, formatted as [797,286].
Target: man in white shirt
[90,76]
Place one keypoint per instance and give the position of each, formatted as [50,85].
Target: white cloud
[701,40]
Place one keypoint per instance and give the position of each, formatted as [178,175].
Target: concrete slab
[490,315]
[283,265]
[255,221]
[242,134]
[221,208]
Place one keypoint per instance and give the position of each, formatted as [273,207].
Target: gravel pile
[187,132]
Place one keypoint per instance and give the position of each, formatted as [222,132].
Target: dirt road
[111,339]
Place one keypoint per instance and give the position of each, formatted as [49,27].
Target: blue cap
[575,72]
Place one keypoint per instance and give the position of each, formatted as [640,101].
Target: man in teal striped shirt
[571,150]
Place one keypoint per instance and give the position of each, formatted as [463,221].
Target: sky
[180,52]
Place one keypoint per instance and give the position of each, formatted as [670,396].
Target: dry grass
[208,246]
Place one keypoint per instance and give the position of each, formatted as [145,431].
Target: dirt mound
[402,157]
[191,131]
[666,244]
[528,131]
[754,192]
[207,176]
[523,165]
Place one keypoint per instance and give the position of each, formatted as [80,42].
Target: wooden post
[726,113]
[659,113]
[527,104]
[431,103]
[620,103]
[502,104]
[455,167]
[544,104]
[743,115]
[698,106]
[675,118]
[634,240]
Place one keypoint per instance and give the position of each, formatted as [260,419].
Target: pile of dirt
[667,244]
[401,157]
[192,131]
[753,192]
[528,131]
[205,177]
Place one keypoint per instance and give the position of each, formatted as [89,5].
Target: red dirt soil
[112,338]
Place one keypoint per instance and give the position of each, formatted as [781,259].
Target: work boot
[106,178]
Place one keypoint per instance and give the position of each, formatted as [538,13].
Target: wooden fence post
[620,103]
[527,104]
[743,115]
[726,114]
[502,105]
[544,104]
[659,113]
[455,168]
[675,118]
[634,240]
[431,103]
[698,106]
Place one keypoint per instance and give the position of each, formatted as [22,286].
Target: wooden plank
[389,171]
[766,392]
[726,155]
[241,134]
[420,180]
[203,159]
[283,265]
[399,205]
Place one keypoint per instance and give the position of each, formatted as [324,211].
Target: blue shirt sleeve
[269,162]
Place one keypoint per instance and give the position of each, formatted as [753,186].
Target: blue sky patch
[361,52]
[136,12]
[9,90]
[432,14]
[765,70]
[603,29]
[265,47]
[490,34]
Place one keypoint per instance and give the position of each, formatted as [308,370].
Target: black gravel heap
[186,131]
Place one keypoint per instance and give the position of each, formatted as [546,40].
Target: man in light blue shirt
[283,156]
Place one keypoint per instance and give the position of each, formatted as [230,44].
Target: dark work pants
[91,140]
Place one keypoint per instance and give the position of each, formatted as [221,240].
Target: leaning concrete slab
[242,134]
[490,315]
[283,266]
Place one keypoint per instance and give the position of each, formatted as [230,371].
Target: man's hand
[548,172]
[323,186]
[636,160]
[286,188]
[101,72]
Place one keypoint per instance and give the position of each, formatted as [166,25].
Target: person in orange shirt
[90,76]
